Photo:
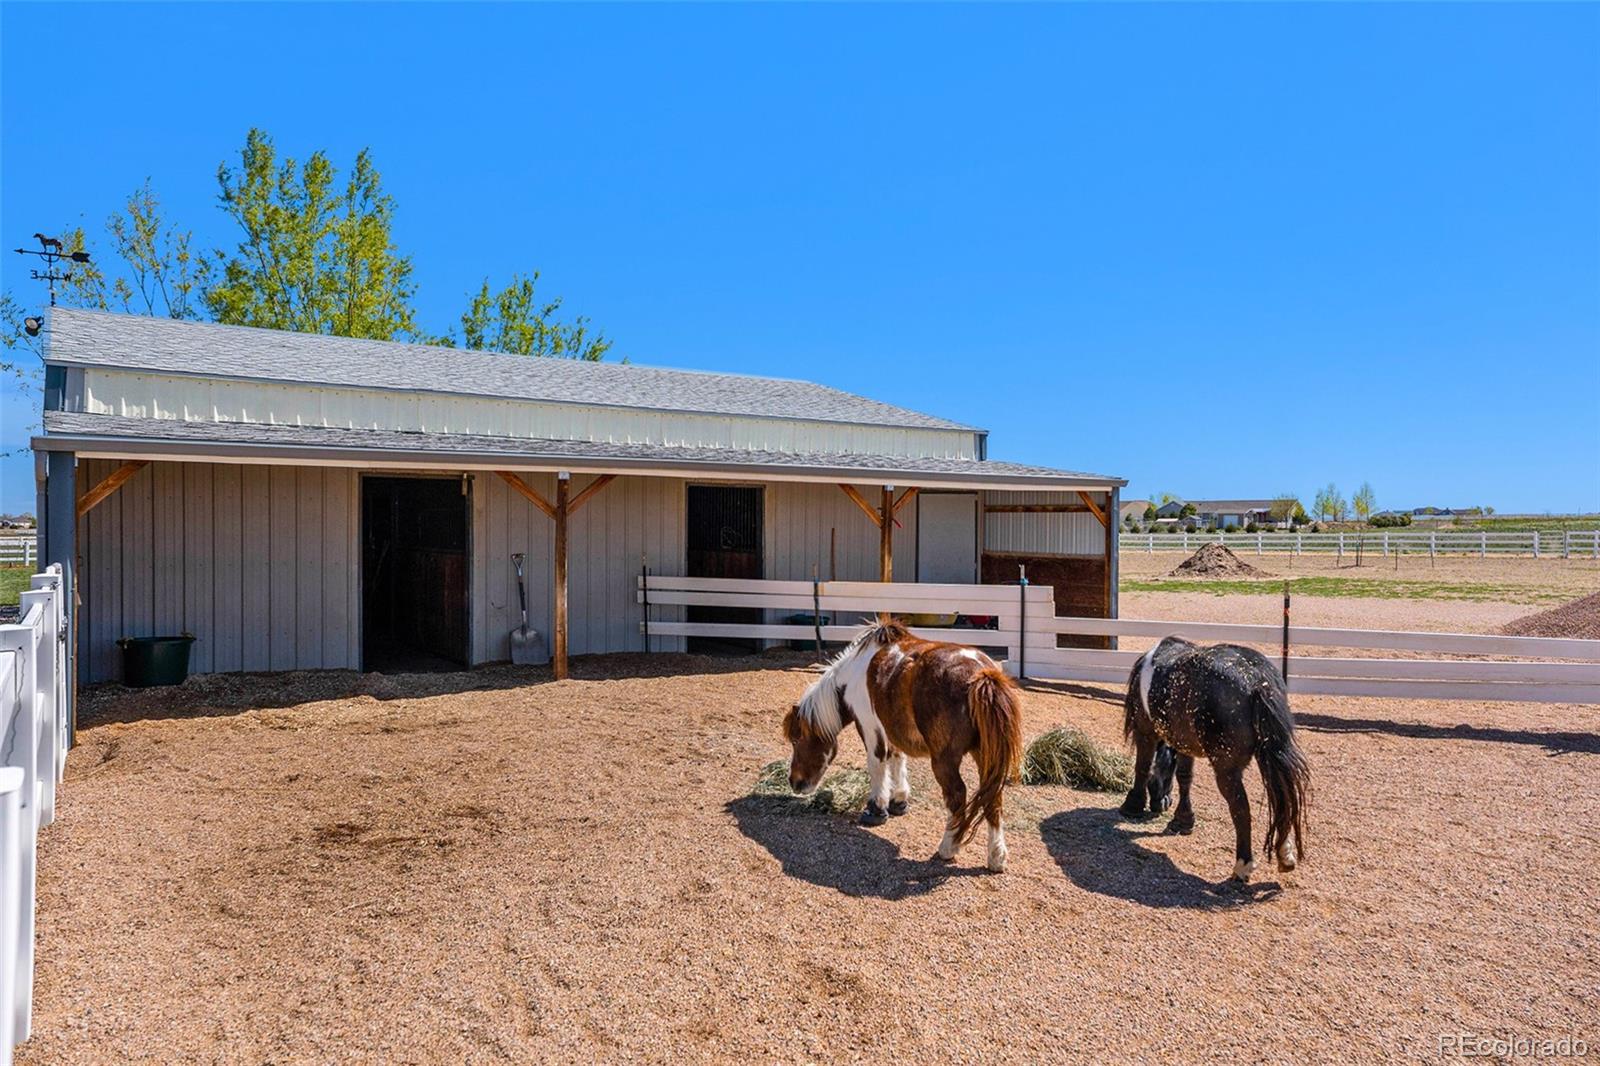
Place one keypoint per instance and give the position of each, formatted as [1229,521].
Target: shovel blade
[526,647]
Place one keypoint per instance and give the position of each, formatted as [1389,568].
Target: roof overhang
[962,474]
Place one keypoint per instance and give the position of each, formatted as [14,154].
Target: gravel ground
[492,867]
[1519,576]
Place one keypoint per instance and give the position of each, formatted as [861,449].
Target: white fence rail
[33,747]
[20,550]
[1561,544]
[1027,628]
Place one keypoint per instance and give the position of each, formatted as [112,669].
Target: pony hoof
[1129,810]
[873,816]
[1181,825]
[997,863]
[1242,871]
[1287,860]
[898,807]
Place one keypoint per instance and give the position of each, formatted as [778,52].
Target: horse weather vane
[50,250]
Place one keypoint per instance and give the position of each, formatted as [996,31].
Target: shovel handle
[522,593]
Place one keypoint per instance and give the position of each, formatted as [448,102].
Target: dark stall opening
[414,573]
[724,540]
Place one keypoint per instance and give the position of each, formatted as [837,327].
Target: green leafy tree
[160,273]
[1286,507]
[517,320]
[314,255]
[1149,512]
[1364,502]
[1188,511]
[1330,503]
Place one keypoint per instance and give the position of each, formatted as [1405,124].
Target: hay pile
[1215,560]
[841,792]
[1071,757]
[1579,619]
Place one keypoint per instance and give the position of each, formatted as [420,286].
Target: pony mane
[820,707]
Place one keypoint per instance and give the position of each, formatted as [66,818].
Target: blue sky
[1217,250]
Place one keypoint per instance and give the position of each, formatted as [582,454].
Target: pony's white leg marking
[997,847]
[1147,670]
[878,776]
[902,778]
[1287,859]
[947,846]
[1242,870]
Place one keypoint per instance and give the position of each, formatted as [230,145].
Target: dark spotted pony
[1228,704]
[908,696]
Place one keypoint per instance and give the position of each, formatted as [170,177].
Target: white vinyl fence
[33,748]
[1562,544]
[19,550]
[1499,668]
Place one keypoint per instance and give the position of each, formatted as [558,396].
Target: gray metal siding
[800,518]
[1072,533]
[262,563]
[629,518]
[254,561]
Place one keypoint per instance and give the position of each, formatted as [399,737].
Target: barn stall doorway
[724,539]
[414,537]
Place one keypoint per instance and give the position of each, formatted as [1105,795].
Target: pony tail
[1284,770]
[996,712]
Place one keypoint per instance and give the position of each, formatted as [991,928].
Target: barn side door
[947,537]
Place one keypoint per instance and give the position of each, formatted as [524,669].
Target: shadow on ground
[1557,743]
[218,695]
[832,851]
[1099,852]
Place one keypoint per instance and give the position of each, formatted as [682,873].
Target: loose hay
[841,792]
[1068,756]
[1215,560]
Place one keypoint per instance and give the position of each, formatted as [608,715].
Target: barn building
[300,501]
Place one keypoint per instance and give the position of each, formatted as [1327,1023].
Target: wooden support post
[527,492]
[861,502]
[886,536]
[589,491]
[1111,562]
[114,481]
[558,660]
[1094,508]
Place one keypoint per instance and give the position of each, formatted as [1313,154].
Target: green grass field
[13,583]
[1362,587]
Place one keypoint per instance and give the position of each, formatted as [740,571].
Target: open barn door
[414,573]
[725,537]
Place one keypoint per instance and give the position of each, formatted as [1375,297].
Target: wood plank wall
[261,563]
[255,561]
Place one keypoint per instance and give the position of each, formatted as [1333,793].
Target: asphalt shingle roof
[483,448]
[162,345]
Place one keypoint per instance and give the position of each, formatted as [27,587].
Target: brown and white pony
[908,696]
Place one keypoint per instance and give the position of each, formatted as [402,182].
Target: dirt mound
[1215,560]
[1580,619]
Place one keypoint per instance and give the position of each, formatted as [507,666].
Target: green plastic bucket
[151,661]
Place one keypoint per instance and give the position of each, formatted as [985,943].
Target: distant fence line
[1565,544]
[19,549]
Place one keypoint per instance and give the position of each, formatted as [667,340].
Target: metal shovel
[524,641]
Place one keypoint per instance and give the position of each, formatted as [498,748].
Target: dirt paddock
[493,867]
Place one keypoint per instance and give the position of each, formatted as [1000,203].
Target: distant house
[1220,514]
[1434,514]
[1134,509]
